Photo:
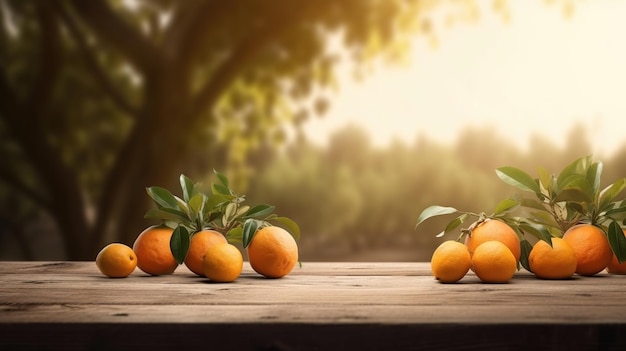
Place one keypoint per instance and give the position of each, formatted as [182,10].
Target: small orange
[591,246]
[556,262]
[116,260]
[615,267]
[493,262]
[273,252]
[222,263]
[198,246]
[450,261]
[152,248]
[493,229]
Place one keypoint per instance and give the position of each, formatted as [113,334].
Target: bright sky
[536,74]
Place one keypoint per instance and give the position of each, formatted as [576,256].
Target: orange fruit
[116,260]
[152,248]
[222,263]
[614,267]
[450,261]
[493,262]
[198,246]
[273,252]
[591,246]
[556,262]
[493,229]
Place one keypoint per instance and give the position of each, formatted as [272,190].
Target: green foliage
[617,240]
[179,243]
[501,213]
[572,196]
[97,102]
[560,201]
[217,207]
[434,210]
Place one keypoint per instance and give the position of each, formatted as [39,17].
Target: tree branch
[111,28]
[244,53]
[93,66]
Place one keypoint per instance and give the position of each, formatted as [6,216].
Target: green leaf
[575,188]
[618,213]
[594,173]
[187,186]
[290,225]
[167,214]
[506,205]
[617,241]
[534,204]
[162,197]
[183,206]
[241,211]
[217,200]
[574,195]
[222,178]
[250,226]
[608,194]
[544,218]
[259,211]
[196,202]
[577,167]
[229,212]
[432,211]
[213,216]
[526,247]
[179,244]
[235,235]
[539,231]
[518,178]
[221,189]
[545,178]
[455,223]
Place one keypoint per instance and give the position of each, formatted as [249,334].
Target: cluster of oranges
[198,242]
[492,250]
[273,253]
[577,223]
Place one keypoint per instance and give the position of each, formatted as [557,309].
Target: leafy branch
[571,197]
[502,212]
[216,207]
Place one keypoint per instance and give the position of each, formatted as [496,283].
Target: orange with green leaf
[573,205]
[208,215]
[500,225]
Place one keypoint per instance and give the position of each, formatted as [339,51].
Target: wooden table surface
[322,306]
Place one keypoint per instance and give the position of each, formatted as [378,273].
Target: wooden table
[323,306]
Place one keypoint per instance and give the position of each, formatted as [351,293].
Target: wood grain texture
[319,306]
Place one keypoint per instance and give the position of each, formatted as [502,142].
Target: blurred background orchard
[349,116]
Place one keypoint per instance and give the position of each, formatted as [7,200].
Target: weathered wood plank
[313,314]
[308,268]
[70,304]
[310,290]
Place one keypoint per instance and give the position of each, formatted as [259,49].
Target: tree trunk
[159,155]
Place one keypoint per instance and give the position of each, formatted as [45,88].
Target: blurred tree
[99,99]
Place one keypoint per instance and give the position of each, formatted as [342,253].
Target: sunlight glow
[539,74]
